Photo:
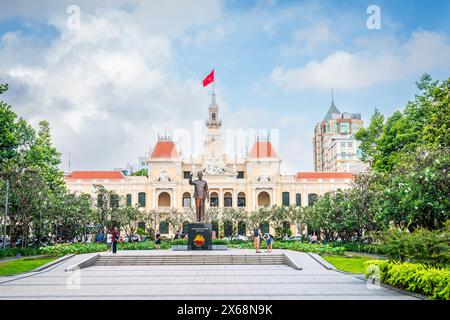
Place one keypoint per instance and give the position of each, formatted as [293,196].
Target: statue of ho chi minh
[201,193]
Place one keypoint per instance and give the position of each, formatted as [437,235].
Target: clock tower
[213,142]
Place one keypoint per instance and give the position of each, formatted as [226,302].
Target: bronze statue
[201,193]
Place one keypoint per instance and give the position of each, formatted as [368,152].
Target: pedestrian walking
[158,241]
[115,238]
[109,242]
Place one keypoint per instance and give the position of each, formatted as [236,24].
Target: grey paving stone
[206,282]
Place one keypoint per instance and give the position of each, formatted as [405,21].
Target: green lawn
[22,265]
[348,264]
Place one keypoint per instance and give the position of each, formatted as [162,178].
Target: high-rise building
[335,146]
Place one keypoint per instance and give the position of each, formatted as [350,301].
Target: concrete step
[275,259]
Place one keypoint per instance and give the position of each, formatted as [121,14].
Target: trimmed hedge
[12,252]
[418,278]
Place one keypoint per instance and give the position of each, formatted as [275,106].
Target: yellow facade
[248,182]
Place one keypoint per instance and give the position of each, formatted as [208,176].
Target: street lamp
[5,214]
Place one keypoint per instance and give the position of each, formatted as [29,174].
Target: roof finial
[332,96]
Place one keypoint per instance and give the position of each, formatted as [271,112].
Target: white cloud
[107,88]
[307,40]
[376,63]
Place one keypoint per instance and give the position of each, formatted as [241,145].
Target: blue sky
[134,68]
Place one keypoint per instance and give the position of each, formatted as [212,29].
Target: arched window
[213,116]
[227,229]
[312,199]
[186,200]
[141,199]
[164,199]
[227,200]
[128,200]
[214,199]
[285,198]
[298,200]
[241,200]
[263,199]
[163,227]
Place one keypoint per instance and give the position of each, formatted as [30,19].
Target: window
[163,227]
[298,200]
[285,198]
[328,127]
[143,164]
[114,201]
[354,128]
[312,199]
[343,144]
[350,144]
[141,199]
[186,174]
[345,127]
[241,199]
[186,200]
[358,153]
[335,127]
[227,200]
[128,200]
[240,175]
[214,200]
[213,116]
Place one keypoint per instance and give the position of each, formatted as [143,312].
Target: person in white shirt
[108,241]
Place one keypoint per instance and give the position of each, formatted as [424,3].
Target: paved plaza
[222,282]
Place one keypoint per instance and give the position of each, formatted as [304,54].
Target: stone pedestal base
[199,236]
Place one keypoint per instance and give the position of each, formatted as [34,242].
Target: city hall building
[248,182]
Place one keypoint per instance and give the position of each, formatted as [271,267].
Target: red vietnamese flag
[209,78]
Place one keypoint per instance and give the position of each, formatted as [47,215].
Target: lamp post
[5,215]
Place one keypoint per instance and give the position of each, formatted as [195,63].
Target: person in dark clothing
[158,241]
[115,238]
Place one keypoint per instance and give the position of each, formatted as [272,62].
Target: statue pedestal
[199,236]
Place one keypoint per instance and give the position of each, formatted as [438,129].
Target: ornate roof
[331,110]
[263,149]
[164,149]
